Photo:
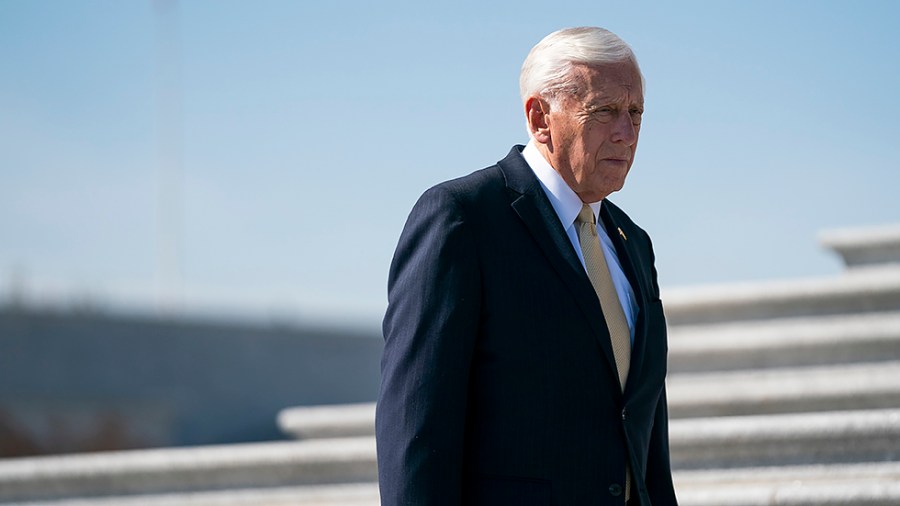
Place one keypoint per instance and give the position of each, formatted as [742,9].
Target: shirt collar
[564,200]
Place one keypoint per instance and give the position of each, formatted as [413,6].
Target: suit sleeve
[659,469]
[429,330]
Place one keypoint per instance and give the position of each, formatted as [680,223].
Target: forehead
[611,81]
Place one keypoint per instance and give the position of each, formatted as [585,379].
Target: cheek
[593,138]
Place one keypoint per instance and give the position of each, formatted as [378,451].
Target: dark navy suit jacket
[499,384]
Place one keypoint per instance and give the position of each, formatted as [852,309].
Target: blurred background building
[86,380]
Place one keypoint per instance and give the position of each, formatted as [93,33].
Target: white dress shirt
[567,205]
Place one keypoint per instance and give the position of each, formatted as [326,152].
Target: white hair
[547,69]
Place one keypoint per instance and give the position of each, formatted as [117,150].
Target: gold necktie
[598,272]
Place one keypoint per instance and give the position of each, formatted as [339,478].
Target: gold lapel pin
[622,233]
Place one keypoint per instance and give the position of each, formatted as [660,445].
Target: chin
[615,185]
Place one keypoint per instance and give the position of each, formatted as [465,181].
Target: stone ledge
[786,342]
[340,420]
[838,493]
[845,484]
[744,392]
[348,494]
[860,247]
[189,469]
[831,388]
[741,441]
[882,471]
[777,436]
[861,291]
[826,485]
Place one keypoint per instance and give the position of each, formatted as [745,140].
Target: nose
[624,130]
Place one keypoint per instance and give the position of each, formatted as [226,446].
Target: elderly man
[525,341]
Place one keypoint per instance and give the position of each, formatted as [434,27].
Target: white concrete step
[766,391]
[328,421]
[838,493]
[207,473]
[865,246]
[870,484]
[867,484]
[791,439]
[173,470]
[346,494]
[785,342]
[854,292]
[744,392]
[773,475]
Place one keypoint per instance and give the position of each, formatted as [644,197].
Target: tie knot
[586,215]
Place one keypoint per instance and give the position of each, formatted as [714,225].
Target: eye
[636,114]
[602,113]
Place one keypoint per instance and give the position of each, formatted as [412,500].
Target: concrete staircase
[782,393]
[789,392]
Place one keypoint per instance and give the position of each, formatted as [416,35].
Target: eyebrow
[608,99]
[597,104]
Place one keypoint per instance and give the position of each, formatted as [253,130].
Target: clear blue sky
[310,128]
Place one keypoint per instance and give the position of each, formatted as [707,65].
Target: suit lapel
[531,205]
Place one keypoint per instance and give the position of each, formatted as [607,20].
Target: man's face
[593,133]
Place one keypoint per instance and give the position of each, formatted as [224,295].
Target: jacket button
[624,414]
[615,490]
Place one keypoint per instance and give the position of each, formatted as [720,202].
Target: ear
[537,111]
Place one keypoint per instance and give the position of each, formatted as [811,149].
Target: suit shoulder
[491,185]
[470,189]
